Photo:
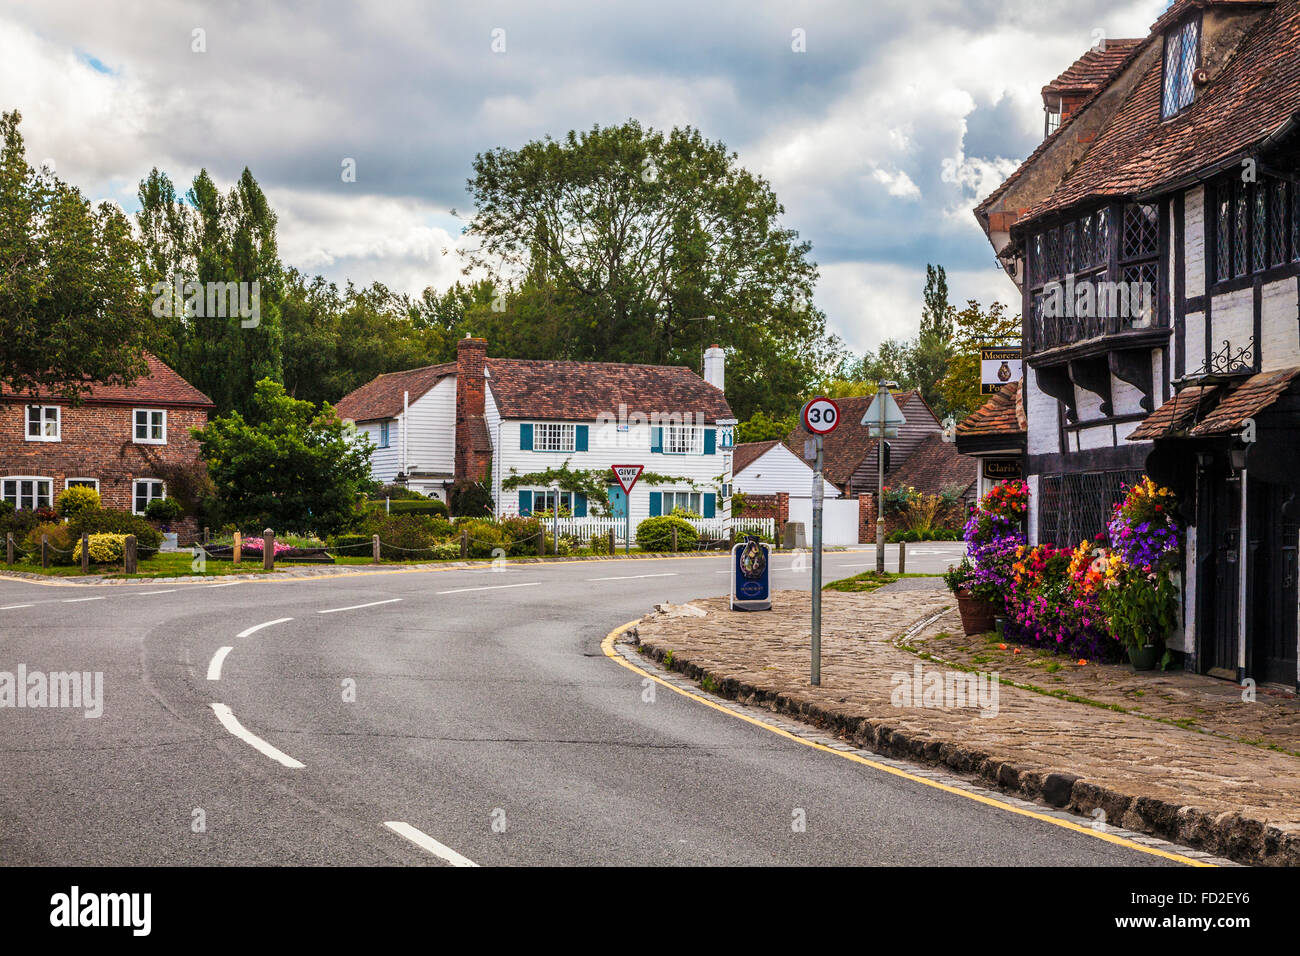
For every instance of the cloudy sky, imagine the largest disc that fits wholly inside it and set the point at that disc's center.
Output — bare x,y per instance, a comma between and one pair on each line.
878,137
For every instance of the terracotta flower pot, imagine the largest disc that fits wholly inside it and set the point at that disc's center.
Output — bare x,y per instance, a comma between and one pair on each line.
977,615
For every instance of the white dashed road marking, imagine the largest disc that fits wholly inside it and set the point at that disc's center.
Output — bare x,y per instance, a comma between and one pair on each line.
426,842
257,743
491,587
214,666
79,600
629,577
258,627
357,607
14,607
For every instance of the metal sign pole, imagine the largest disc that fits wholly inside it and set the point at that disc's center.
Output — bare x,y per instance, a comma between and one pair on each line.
817,566
880,494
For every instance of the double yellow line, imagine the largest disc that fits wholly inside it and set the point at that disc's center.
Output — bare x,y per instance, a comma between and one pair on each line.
608,647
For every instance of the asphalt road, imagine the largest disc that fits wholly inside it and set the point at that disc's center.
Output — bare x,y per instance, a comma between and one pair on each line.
483,717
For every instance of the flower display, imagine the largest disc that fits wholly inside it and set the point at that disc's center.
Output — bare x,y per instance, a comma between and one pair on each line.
258,545
1090,602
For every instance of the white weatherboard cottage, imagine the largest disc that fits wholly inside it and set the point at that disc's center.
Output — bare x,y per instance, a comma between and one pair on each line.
491,419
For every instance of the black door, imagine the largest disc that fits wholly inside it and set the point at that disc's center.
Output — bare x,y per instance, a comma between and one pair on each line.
1219,526
1271,634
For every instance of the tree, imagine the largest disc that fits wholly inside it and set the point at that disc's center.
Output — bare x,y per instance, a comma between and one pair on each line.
763,427
975,327
214,241
69,295
934,346
629,244
289,465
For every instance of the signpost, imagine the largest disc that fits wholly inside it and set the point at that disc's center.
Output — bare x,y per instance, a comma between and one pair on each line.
883,418
999,367
626,476
820,416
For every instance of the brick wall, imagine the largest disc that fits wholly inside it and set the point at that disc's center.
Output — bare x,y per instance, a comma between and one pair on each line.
775,506
866,519
97,442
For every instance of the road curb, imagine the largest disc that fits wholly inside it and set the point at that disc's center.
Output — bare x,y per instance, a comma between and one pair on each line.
1227,834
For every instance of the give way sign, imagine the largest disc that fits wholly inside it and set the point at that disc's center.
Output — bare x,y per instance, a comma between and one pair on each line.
626,475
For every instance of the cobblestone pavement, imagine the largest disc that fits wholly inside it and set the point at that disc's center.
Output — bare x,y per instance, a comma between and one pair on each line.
1142,769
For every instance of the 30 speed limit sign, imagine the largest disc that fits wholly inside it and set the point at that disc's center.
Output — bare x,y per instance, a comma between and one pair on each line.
820,416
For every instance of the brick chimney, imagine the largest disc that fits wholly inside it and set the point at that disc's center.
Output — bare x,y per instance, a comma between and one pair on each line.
471,362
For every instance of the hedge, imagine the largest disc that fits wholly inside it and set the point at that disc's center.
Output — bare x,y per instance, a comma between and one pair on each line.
656,534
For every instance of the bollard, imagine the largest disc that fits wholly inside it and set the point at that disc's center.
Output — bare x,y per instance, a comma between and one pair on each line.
611,542
9,547
236,551
731,539
130,557
207,537
541,543
268,550
374,547
85,553
902,557
45,550
674,540
464,545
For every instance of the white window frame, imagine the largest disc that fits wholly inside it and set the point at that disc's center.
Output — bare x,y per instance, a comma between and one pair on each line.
384,435
44,421
682,440
74,482
545,494
135,495
148,426
18,491
669,502
555,436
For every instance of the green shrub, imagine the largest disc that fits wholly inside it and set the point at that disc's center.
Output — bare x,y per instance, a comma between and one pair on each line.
107,521
656,534
522,534
71,502
398,492
163,510
104,548
61,541
470,499
484,537
15,521
409,506
351,545
405,537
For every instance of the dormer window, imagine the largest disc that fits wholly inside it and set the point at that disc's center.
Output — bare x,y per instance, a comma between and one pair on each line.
1053,118
1182,58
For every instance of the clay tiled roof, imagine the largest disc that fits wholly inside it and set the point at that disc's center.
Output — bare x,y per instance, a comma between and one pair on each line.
745,455
1254,93
1203,411
1002,414
1176,415
581,391
1249,399
1094,68
382,397
159,386
844,449
935,466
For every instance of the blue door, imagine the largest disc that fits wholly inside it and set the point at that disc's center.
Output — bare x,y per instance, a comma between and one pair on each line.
617,501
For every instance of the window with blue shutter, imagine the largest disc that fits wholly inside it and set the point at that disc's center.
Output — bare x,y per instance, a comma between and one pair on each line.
656,504
710,506
526,437
710,441
656,439
579,505
525,503
580,438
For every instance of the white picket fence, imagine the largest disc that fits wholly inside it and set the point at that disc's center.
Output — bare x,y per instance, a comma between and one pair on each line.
711,528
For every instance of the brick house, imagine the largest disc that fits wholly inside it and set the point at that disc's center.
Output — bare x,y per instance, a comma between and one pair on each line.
488,419
128,442
1155,240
